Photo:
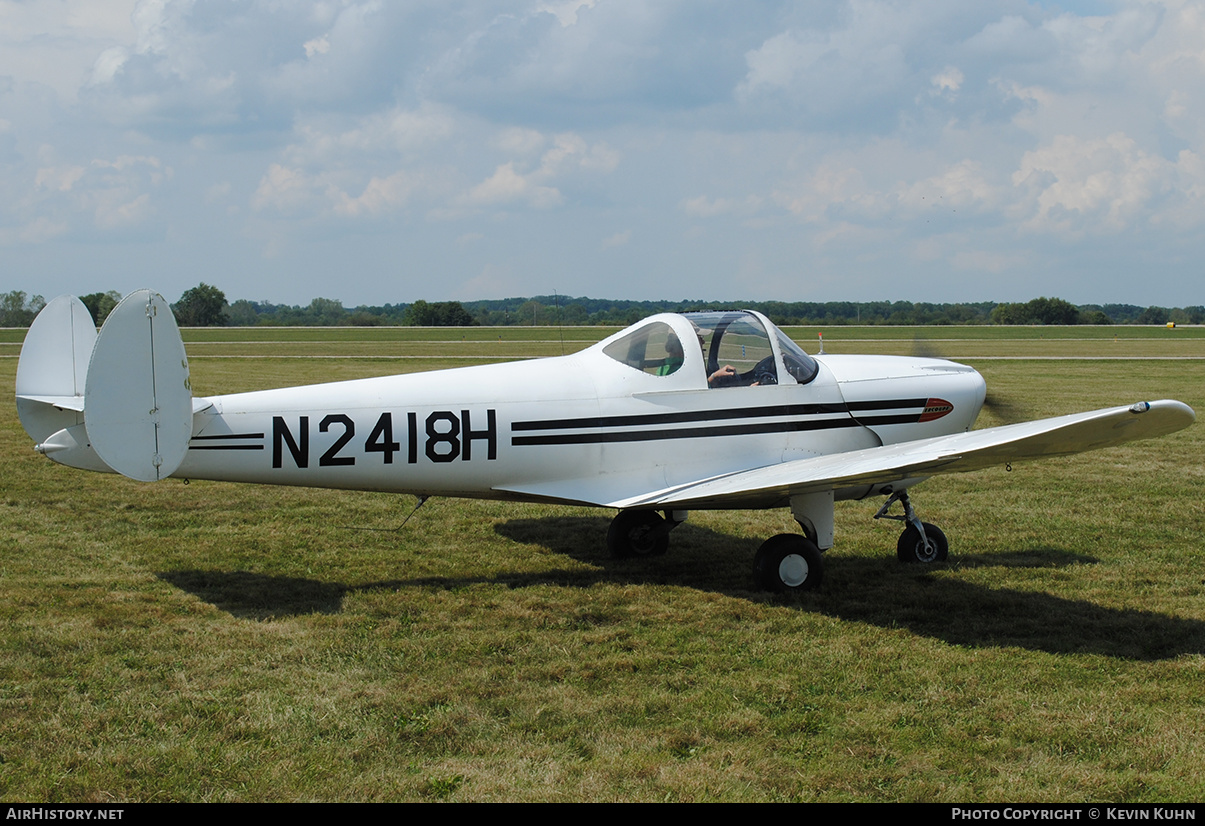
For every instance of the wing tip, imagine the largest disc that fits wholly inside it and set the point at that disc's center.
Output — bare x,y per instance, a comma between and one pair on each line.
1176,415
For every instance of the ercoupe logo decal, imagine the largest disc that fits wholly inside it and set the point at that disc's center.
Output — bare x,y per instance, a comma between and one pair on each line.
935,409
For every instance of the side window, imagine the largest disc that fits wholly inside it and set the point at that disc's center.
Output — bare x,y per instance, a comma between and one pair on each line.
654,349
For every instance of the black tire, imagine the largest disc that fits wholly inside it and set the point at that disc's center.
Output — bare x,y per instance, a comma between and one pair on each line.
788,564
637,533
911,549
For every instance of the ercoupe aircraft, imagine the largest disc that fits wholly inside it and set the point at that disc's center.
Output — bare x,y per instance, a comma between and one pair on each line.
678,412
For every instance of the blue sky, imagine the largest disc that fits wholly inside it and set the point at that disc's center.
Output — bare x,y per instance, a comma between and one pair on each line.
382,152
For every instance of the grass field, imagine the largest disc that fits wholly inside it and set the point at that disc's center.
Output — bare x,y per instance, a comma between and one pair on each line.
214,642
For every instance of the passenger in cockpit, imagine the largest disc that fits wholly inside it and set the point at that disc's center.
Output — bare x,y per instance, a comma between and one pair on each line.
674,356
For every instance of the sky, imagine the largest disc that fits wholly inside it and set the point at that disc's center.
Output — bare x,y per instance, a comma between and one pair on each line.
382,152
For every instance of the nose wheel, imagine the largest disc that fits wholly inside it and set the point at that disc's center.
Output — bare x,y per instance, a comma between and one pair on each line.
931,546
921,542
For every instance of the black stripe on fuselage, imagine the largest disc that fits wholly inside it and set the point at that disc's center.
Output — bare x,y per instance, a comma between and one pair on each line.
887,404
590,430
679,418
681,432
226,437
862,410
905,418
225,447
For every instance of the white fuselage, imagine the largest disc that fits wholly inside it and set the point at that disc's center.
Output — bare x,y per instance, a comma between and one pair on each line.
580,428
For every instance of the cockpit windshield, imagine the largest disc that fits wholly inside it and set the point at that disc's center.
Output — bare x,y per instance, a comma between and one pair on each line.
802,367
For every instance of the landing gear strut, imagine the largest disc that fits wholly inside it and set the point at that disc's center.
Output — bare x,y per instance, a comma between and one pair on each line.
921,541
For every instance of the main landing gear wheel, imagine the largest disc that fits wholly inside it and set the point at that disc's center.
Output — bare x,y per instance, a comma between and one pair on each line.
933,547
638,533
788,564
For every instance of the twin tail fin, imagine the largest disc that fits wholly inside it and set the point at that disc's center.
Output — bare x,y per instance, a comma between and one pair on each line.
117,401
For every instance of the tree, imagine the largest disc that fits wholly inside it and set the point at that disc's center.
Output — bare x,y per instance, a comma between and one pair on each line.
438,314
363,318
1053,311
202,306
100,304
242,313
1037,311
1009,314
532,313
1154,315
16,311
325,312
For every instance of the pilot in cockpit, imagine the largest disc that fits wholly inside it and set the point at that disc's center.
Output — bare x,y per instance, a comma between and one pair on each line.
726,376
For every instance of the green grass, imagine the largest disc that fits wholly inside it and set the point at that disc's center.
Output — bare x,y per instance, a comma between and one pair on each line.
239,643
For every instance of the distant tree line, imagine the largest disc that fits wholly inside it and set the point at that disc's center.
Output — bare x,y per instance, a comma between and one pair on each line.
1057,311
18,310
206,306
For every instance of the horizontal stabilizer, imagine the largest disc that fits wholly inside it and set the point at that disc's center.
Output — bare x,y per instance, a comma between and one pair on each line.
75,403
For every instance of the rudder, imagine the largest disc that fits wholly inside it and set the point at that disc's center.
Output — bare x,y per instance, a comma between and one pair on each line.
138,399
53,368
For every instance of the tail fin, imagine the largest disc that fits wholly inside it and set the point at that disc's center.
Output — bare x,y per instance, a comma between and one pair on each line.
53,367
136,405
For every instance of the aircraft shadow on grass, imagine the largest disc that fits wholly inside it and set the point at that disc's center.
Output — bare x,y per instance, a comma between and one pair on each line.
878,591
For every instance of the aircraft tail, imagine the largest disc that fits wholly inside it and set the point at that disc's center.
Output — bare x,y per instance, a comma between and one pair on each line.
117,401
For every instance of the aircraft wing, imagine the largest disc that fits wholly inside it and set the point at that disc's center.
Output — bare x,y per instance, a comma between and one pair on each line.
957,453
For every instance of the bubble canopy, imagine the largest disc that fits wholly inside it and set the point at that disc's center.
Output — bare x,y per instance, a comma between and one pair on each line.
758,353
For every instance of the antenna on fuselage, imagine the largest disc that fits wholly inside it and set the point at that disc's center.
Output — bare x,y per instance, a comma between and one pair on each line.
422,500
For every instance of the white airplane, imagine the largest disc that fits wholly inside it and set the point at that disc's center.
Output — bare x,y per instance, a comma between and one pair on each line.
715,410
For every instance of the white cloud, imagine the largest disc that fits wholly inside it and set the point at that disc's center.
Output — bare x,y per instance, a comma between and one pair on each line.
514,140
570,151
59,178
54,44
948,80
836,182
506,186
381,195
38,231
106,67
113,212
283,189
317,46
103,195
962,184
1095,186
619,239
566,11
